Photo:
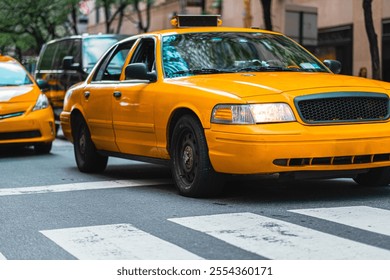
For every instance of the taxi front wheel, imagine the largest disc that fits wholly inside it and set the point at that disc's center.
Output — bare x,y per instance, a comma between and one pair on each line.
375,177
191,168
87,158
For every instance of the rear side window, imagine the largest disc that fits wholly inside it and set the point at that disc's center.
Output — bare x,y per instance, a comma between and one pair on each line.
64,49
48,57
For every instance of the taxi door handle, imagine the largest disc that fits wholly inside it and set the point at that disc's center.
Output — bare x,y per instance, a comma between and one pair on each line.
87,94
117,94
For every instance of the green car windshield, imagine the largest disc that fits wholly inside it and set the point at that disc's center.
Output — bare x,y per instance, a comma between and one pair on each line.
225,52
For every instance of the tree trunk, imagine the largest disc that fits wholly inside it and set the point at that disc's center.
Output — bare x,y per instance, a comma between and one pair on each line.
267,13
73,22
373,39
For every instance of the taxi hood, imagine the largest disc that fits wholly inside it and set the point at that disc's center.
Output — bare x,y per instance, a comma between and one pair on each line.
244,85
27,93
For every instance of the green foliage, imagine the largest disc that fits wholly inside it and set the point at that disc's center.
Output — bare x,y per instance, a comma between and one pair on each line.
27,24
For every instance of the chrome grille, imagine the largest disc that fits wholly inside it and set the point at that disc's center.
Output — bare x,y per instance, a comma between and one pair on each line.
11,115
343,107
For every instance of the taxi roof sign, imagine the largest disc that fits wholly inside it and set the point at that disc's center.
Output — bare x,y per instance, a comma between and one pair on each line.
196,20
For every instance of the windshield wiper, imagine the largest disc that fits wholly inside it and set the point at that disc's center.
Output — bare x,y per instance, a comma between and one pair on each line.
203,71
266,69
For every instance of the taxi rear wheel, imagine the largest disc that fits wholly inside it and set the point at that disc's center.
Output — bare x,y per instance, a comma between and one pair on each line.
87,158
191,168
375,177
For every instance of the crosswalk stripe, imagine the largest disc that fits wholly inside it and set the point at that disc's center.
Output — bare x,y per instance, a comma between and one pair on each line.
2,258
362,217
116,242
82,186
275,239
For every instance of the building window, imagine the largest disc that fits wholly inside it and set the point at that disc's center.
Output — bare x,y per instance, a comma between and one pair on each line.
336,43
386,50
97,14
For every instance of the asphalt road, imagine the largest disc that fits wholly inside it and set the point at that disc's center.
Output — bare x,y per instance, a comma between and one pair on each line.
49,210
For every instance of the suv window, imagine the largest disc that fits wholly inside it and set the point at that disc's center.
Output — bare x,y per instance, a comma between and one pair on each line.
48,56
64,48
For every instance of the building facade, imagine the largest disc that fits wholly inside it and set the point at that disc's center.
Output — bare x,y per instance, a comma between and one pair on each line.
331,29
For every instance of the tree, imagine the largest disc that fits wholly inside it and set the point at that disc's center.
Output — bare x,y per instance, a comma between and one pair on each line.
116,10
372,38
30,23
267,13
142,27
113,9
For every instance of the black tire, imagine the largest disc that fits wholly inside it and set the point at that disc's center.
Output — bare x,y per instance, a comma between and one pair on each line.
43,148
191,168
87,158
375,177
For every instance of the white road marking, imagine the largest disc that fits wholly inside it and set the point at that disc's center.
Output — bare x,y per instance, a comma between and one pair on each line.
116,242
2,258
362,217
82,186
275,239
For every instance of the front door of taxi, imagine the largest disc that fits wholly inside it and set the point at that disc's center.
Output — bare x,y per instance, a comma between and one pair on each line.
133,111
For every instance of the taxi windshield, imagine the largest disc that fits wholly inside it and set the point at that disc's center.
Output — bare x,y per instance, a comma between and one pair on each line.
225,52
11,74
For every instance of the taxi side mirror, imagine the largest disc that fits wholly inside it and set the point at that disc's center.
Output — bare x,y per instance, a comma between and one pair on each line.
43,85
333,65
139,71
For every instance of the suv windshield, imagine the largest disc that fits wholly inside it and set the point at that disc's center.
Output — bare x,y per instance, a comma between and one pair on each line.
11,74
94,49
219,52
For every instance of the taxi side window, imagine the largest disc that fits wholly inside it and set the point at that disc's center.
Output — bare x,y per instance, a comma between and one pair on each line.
110,67
145,54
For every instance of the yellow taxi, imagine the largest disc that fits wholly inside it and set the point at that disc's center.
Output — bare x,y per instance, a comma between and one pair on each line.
212,100
26,117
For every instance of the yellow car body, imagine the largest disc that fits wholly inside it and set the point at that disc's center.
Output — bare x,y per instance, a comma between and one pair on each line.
138,118
26,117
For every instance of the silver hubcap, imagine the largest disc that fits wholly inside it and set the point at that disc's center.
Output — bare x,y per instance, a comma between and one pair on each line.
82,143
188,158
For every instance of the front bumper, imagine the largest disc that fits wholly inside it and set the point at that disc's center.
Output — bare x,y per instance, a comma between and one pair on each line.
290,147
29,128
65,125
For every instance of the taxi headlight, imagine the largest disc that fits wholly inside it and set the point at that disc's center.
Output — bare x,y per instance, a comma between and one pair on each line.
41,103
252,113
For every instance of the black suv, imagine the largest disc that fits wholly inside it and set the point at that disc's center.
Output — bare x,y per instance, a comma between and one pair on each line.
67,61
